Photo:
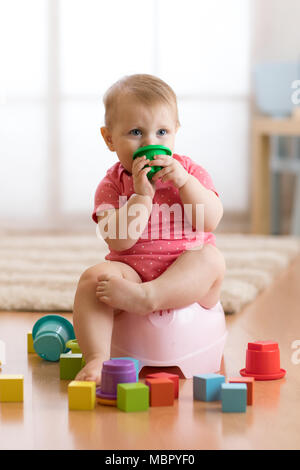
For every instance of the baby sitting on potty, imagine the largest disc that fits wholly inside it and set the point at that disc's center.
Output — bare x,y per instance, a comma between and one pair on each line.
153,264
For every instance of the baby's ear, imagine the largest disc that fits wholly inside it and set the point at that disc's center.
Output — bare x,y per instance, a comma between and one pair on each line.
106,134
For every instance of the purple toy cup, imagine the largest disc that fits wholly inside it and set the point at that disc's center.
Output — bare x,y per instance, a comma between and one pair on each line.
114,372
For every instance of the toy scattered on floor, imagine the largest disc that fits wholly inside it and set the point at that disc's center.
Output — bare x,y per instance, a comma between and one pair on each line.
136,363
50,335
166,375
69,365
11,388
114,372
82,395
234,397
161,391
207,387
30,348
133,397
74,346
249,381
263,361
119,379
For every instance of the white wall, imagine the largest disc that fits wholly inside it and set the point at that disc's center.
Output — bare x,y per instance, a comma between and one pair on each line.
276,34
57,59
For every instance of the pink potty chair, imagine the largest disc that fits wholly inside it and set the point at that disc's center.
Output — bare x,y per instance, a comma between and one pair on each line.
191,338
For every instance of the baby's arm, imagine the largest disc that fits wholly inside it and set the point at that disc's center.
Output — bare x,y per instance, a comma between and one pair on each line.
121,228
193,192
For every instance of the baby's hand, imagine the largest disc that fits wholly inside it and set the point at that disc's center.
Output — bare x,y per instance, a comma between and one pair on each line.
141,183
173,170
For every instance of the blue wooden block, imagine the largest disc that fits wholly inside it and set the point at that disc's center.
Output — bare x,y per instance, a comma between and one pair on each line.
234,398
207,387
136,363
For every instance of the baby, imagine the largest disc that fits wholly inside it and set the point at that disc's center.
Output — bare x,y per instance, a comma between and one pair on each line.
143,273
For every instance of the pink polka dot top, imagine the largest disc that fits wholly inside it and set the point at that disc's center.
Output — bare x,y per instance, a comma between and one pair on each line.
168,232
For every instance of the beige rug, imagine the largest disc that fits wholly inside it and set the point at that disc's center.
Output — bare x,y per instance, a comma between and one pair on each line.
40,273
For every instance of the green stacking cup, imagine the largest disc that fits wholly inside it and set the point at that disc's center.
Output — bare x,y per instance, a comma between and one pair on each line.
50,335
150,151
75,349
74,346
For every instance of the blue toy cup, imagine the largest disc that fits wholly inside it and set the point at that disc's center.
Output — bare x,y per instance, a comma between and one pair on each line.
50,335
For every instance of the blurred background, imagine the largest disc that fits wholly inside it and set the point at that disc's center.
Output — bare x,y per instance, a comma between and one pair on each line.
228,63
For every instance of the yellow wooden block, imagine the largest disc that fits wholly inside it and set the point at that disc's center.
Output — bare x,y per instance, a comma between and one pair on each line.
82,395
30,348
11,387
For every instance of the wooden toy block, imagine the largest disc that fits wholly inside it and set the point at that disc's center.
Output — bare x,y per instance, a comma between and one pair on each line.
82,395
207,387
161,392
132,397
11,388
249,381
166,375
136,363
70,364
30,348
234,397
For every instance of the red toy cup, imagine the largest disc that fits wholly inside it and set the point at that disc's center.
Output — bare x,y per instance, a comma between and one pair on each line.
263,361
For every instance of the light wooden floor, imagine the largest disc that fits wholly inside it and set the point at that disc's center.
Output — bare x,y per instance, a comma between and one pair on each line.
44,422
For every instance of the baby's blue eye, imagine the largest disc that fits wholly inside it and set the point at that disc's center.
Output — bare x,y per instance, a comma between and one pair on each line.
162,132
135,132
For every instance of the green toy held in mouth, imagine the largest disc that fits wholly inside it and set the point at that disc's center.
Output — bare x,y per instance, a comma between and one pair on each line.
150,151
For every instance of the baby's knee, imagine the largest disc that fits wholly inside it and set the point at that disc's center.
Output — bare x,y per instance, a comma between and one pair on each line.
91,274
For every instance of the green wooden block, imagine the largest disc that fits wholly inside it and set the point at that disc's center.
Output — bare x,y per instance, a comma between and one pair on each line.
133,397
70,364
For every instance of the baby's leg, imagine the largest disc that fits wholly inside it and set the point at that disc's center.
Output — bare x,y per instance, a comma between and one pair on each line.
195,276
93,319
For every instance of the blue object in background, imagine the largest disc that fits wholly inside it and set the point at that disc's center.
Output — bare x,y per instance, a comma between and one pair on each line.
273,87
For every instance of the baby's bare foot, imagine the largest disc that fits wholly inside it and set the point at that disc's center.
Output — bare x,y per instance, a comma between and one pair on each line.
125,295
91,371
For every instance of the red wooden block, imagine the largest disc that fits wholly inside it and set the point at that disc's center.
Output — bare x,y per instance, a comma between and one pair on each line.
166,375
249,381
161,392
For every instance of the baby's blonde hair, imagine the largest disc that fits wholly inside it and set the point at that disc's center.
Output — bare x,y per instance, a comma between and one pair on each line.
146,88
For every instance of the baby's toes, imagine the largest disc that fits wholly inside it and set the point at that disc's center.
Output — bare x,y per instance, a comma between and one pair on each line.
89,376
81,376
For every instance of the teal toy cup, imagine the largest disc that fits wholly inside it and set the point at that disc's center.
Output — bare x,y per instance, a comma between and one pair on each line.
150,151
50,335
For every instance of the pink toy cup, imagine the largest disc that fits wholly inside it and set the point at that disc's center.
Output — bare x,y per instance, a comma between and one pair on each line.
263,361
114,372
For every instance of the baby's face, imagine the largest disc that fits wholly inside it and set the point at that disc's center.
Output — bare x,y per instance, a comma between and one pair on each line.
139,125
